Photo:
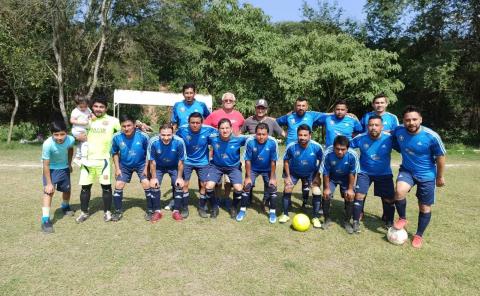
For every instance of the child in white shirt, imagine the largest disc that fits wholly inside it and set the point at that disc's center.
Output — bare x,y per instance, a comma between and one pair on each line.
80,119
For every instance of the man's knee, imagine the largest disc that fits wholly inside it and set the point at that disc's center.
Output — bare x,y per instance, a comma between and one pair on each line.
316,190
86,188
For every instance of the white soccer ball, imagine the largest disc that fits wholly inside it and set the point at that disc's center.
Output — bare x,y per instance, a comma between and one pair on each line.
397,237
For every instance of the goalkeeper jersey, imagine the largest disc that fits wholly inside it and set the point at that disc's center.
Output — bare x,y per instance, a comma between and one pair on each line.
100,137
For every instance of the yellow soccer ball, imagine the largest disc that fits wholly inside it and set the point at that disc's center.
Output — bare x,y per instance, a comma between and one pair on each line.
301,222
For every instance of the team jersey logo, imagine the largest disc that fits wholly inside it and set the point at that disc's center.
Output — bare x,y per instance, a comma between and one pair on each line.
347,124
297,153
304,162
366,145
332,122
159,151
292,120
122,144
217,146
400,138
196,110
333,162
105,122
224,155
182,109
189,138
384,146
419,143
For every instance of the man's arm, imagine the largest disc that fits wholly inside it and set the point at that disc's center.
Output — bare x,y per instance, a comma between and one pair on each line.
273,175
286,168
153,173
116,162
326,186
180,181
440,180
248,171
70,157
46,173
350,194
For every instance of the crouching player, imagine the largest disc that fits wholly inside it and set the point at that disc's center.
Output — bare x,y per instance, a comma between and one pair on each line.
129,150
166,154
261,155
375,154
225,161
339,167
57,152
301,161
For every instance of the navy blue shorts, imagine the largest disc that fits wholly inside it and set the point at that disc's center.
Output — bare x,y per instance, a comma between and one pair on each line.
307,180
383,185
425,189
127,173
215,174
60,179
173,173
202,172
265,177
342,182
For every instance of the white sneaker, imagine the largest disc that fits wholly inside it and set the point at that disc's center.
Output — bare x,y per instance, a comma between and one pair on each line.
83,216
107,216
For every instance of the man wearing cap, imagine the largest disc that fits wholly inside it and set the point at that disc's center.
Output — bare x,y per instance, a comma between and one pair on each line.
261,108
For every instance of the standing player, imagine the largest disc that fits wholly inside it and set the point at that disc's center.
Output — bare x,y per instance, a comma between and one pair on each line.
129,150
166,154
57,152
340,123
98,164
261,155
339,167
195,135
379,104
375,154
301,161
182,110
423,164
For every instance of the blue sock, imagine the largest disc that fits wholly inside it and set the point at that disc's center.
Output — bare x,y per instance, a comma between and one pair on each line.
45,219
423,220
65,205
305,194
316,202
245,197
202,202
149,198
185,199
401,206
155,200
237,197
357,209
287,197
389,211
177,199
117,199
212,198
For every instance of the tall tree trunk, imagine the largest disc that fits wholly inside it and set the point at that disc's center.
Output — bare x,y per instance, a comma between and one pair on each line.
12,118
59,58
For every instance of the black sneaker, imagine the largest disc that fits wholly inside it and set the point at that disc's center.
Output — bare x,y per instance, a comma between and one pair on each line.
47,227
67,211
326,224
203,213
348,227
214,213
388,224
233,212
148,215
117,216
356,226
184,212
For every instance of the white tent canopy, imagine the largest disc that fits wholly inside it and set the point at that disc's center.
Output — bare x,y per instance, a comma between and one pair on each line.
155,98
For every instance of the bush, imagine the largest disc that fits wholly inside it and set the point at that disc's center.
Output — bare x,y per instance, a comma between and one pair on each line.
24,130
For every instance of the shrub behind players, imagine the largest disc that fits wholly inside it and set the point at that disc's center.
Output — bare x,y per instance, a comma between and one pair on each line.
261,155
301,161
166,154
339,167
380,104
57,152
129,150
423,164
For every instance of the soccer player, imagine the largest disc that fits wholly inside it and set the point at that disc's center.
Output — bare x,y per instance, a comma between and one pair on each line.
261,109
301,161
129,150
182,110
98,164
339,167
225,161
166,154
375,154
380,104
195,135
261,155
57,152
340,123
423,164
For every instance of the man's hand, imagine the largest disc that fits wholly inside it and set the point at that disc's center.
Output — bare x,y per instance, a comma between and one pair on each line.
440,181
118,173
154,183
349,195
49,189
288,182
70,168
272,182
81,137
247,182
326,193
179,183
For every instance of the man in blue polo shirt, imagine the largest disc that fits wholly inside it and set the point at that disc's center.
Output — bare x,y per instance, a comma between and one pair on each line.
340,123
182,110
379,104
423,164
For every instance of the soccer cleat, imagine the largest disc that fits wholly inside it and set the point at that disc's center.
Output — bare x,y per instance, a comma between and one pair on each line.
348,227
326,224
320,212
417,241
241,214
83,216
316,223
67,211
169,206
184,212
47,226
117,216
388,224
272,218
214,213
233,212
400,224
157,215
177,216
356,226
203,213
283,218
148,215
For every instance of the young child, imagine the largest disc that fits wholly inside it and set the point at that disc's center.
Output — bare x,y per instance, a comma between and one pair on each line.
80,118
57,155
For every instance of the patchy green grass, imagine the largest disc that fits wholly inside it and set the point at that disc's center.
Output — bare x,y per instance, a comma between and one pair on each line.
219,257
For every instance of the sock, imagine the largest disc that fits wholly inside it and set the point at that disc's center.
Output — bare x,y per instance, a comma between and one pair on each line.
316,202
155,198
423,220
305,194
237,198
148,198
401,206
326,208
185,198
45,214
65,204
107,197
178,199
244,199
385,210
202,202
117,199
348,210
357,209
389,211
287,197
85,198
212,198
272,196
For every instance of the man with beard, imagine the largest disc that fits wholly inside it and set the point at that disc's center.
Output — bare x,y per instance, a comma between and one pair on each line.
380,104
340,123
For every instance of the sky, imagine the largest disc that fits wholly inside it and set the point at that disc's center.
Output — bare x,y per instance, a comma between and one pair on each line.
289,10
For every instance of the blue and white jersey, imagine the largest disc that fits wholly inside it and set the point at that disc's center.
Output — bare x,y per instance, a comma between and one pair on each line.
375,154
303,162
390,121
166,156
293,121
261,155
56,153
181,111
196,144
132,151
345,126
419,151
226,153
339,167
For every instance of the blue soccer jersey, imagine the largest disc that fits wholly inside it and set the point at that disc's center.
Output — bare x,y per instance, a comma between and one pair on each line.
226,153
390,121
261,155
181,111
336,167
419,151
345,126
375,154
196,144
293,121
166,156
56,153
303,162
132,151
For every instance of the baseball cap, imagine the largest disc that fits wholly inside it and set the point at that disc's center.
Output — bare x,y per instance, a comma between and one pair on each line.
261,103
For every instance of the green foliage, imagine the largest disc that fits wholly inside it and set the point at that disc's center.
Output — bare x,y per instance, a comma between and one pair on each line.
21,131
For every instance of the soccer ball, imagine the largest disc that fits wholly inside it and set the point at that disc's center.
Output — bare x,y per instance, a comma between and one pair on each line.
397,237
301,222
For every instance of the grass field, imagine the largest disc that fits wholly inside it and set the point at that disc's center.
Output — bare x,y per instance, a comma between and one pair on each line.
223,257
